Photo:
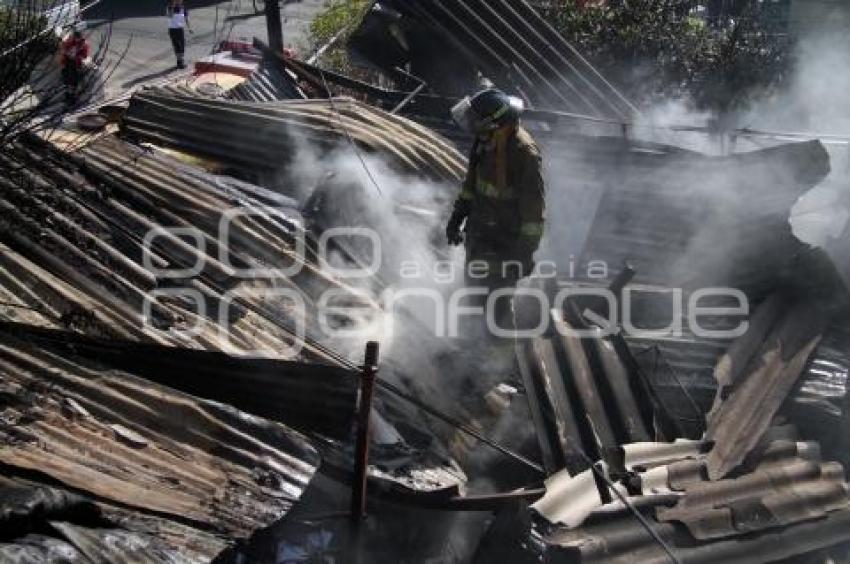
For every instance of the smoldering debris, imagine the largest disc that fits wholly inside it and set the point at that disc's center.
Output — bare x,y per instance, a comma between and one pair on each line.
465,441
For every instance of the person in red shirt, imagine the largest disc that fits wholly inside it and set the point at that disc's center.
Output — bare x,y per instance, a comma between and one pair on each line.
75,50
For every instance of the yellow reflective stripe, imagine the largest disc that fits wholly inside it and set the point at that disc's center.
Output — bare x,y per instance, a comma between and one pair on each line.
491,191
497,114
531,229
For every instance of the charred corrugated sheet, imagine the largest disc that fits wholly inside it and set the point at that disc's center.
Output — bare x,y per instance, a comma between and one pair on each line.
268,83
803,490
121,539
686,220
311,398
819,403
625,541
551,408
684,369
121,440
75,257
446,41
221,130
582,398
43,523
618,383
75,253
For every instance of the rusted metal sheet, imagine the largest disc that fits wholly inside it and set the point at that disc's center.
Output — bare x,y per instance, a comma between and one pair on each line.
311,398
126,441
75,255
220,130
268,83
734,362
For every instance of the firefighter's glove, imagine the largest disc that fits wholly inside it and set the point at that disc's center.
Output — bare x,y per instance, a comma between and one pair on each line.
454,235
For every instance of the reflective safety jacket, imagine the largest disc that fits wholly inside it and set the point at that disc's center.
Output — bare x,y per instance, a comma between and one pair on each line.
504,191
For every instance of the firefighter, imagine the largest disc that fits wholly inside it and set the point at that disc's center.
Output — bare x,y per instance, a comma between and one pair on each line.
74,51
500,209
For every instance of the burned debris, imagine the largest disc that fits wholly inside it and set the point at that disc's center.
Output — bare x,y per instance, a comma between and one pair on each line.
176,385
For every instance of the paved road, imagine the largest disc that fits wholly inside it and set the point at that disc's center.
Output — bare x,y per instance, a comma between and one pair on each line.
142,25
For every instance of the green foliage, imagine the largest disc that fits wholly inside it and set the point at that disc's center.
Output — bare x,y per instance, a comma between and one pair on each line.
654,50
23,44
339,15
17,26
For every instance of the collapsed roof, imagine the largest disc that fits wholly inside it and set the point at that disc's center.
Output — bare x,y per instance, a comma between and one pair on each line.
75,261
105,335
157,470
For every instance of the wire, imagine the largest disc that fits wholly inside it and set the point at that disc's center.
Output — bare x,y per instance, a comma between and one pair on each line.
624,500
348,135
460,426
697,411
37,309
659,355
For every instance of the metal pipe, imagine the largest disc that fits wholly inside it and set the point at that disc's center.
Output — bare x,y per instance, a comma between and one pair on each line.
437,414
369,374
408,98
275,28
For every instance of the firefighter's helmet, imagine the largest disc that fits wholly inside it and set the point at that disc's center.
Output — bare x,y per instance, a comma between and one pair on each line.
487,110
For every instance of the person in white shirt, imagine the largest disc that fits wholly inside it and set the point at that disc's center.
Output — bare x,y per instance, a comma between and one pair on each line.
178,23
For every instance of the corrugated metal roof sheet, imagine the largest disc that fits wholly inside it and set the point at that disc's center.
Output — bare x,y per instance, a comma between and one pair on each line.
72,258
222,130
747,405
268,83
124,441
788,504
312,398
75,253
687,220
